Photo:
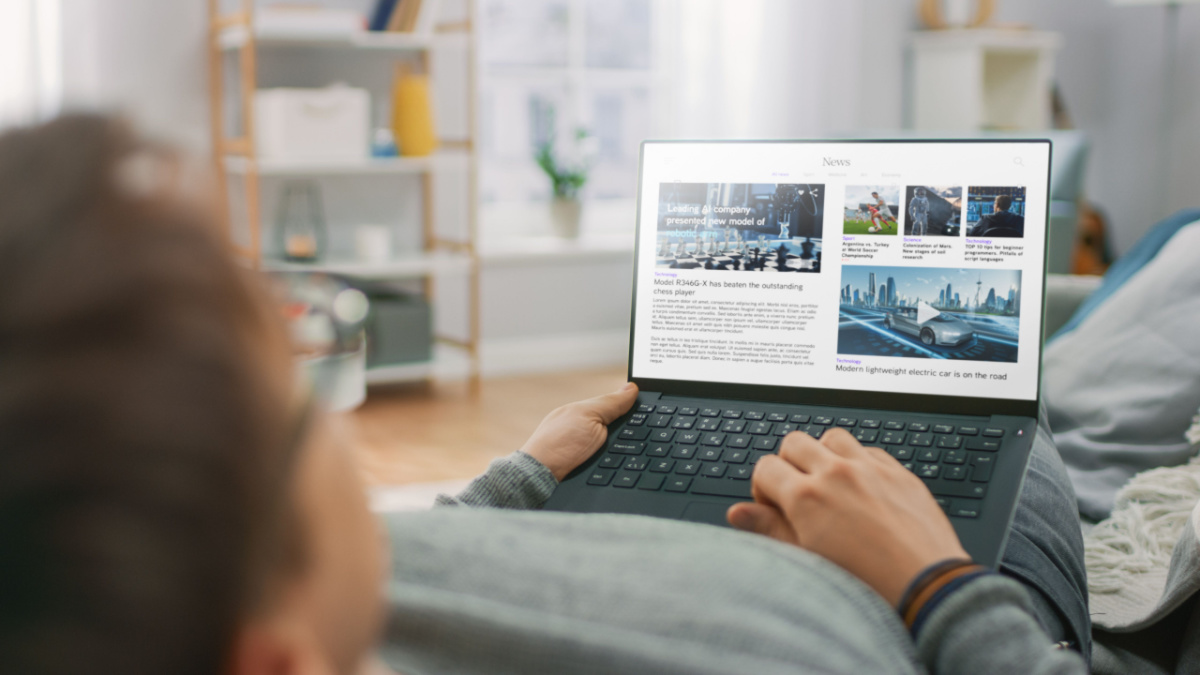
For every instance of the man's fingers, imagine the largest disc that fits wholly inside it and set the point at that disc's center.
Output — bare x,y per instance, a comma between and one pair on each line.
776,482
804,452
611,406
761,519
843,443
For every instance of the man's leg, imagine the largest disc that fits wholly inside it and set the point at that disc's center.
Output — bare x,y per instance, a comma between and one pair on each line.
1045,547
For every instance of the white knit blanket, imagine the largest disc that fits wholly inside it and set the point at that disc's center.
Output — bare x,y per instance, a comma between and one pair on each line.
1129,555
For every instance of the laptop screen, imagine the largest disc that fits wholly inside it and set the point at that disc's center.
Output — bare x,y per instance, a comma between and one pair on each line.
898,267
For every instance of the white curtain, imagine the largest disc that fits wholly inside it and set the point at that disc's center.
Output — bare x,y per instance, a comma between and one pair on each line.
30,61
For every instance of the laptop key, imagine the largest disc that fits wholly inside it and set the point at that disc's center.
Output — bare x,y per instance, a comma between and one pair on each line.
784,428
765,443
635,434
716,440
611,461
918,426
955,457
710,412
741,472
823,420
943,429
869,424
928,455
928,470
738,441
755,414
797,419
968,431
714,469
721,488
708,425
600,477
866,435
846,422
658,450
733,426
645,407
651,481
626,480
659,421
950,441
994,433
687,468
900,452
662,436
921,440
636,421
732,414
982,444
688,437
972,490
627,448
754,457
683,423
777,417
684,452
666,409
636,464
677,484
981,473
955,473
688,412
760,428
662,465
894,438
709,454
736,456
965,508
893,426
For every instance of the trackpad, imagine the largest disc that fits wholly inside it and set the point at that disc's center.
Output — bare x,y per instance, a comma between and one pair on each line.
707,512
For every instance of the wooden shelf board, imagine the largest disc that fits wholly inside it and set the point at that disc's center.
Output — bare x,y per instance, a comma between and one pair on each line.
396,165
237,36
398,268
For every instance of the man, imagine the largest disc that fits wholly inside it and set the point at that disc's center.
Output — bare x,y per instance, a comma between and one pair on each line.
1001,222
173,502
881,214
918,212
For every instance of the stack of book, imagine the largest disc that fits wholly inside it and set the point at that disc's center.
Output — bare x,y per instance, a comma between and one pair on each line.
404,16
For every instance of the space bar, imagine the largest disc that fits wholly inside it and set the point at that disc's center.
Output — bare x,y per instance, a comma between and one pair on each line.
722,488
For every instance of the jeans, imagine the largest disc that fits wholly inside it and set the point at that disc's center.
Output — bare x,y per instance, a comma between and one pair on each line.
1045,546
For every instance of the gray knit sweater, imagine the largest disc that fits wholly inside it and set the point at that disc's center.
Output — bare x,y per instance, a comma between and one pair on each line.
496,590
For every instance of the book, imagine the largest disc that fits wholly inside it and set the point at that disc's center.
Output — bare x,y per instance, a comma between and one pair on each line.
382,14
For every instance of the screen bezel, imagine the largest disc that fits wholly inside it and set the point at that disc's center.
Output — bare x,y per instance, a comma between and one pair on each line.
858,398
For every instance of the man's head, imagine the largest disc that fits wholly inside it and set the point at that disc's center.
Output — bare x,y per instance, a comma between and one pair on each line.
1002,202
164,502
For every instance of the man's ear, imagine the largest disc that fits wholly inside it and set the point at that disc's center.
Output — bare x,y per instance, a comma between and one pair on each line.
277,646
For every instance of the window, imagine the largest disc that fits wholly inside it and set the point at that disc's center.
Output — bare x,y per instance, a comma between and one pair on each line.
30,80
552,67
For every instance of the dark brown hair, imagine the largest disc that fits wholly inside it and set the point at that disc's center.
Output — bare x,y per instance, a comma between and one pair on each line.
141,427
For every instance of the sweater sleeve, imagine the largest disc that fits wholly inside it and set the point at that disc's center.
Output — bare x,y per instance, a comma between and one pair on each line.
988,626
517,481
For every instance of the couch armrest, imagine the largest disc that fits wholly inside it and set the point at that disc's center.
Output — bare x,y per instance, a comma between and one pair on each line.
1064,294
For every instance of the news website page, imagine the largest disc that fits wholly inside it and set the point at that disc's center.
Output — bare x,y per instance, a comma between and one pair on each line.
880,267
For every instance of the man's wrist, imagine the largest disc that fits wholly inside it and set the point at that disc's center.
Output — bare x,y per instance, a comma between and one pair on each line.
932,585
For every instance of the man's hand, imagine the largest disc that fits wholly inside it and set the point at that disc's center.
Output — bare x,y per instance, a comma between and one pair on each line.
855,506
571,434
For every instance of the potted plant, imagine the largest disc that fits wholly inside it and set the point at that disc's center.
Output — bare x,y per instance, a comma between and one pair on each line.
567,177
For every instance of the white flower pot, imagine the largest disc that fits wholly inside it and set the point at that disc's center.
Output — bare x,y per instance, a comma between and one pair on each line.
566,215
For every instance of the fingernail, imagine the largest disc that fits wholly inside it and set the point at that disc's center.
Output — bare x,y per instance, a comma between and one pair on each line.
628,386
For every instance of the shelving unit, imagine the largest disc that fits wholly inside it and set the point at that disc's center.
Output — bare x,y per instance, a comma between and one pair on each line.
234,36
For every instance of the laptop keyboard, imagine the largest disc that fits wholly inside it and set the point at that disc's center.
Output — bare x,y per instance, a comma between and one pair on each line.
712,451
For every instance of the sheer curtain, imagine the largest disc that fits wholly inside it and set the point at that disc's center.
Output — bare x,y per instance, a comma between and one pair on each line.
30,64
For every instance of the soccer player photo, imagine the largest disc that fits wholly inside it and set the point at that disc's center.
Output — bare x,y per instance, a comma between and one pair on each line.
933,211
871,209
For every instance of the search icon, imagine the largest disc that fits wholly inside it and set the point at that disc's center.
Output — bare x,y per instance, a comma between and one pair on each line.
1018,161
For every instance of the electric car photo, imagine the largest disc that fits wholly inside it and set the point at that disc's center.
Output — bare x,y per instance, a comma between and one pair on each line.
942,329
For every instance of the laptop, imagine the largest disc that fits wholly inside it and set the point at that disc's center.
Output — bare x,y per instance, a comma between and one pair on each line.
891,288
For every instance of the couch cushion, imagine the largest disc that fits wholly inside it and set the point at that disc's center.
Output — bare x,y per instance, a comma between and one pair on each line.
1122,380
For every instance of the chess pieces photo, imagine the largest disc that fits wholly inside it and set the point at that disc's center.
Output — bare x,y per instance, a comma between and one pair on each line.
681,249
699,245
664,251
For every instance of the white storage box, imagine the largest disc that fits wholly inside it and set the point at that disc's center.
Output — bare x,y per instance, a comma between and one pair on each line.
312,124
